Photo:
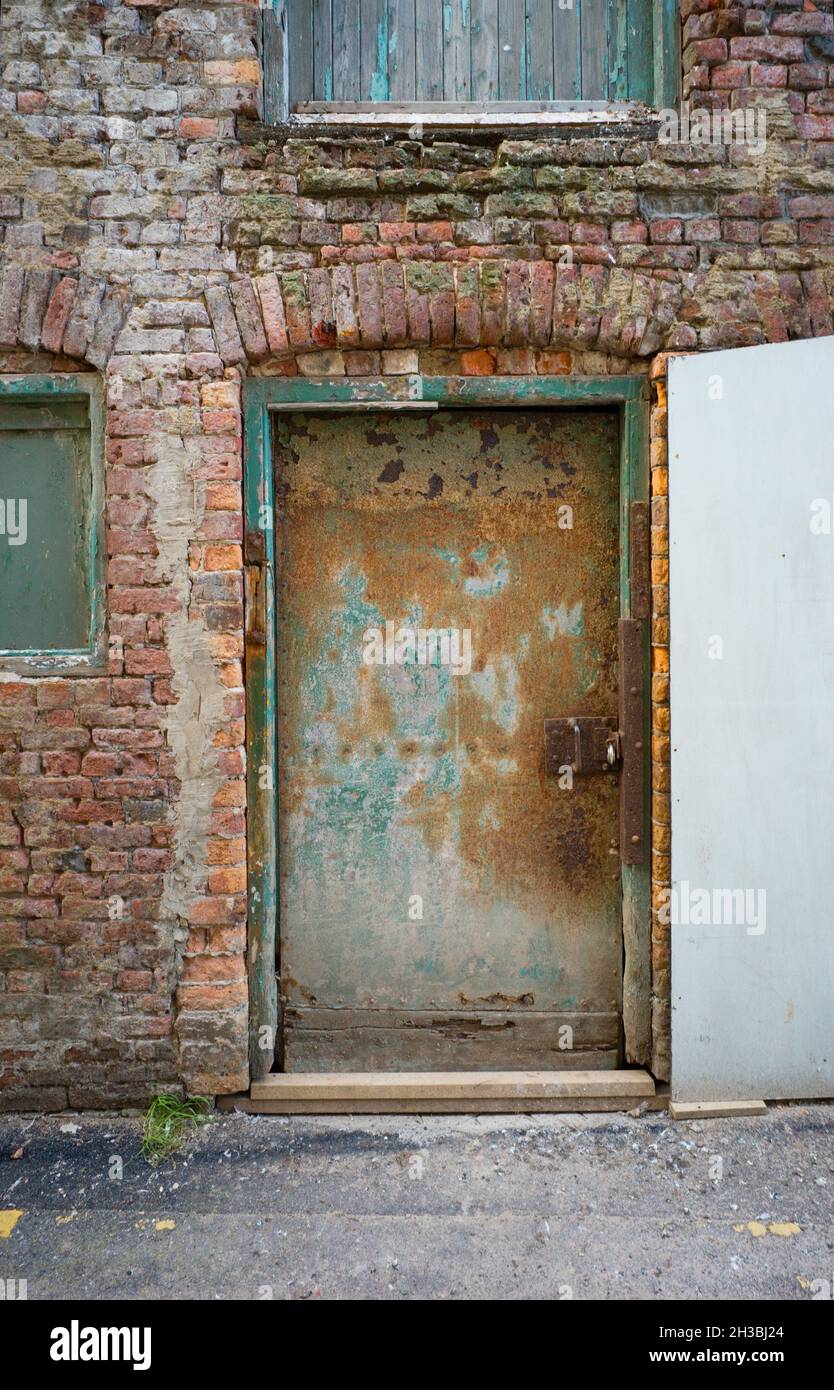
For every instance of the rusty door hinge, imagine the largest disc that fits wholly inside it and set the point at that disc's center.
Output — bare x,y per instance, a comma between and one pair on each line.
632,731
640,560
255,546
255,606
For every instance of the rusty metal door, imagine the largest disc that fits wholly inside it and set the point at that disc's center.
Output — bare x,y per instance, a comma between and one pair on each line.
446,583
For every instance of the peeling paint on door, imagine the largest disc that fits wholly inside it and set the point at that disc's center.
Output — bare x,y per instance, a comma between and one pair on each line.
444,902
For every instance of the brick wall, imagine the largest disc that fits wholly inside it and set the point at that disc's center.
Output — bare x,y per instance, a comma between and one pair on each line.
153,231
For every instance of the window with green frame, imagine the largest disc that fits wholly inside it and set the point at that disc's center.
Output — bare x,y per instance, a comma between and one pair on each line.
51,525
332,57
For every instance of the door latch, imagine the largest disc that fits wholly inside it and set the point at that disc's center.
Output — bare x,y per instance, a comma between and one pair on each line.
586,743
613,749
590,745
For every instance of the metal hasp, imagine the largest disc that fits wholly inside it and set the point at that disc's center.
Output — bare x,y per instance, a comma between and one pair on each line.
585,743
593,745
632,734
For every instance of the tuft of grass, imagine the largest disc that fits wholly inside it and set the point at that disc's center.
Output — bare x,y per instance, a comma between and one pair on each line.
167,1120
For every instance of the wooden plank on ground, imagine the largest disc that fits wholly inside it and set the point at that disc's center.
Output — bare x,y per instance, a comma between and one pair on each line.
440,1092
714,1109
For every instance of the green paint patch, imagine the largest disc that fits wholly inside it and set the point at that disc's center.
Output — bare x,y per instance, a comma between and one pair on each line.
498,687
567,622
445,776
539,972
335,651
379,80
495,578
586,664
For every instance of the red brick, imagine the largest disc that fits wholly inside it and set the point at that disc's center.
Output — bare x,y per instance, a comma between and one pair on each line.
820,232
395,324
710,51
369,297
147,662
552,363
666,230
199,128
729,75
248,315
358,233
271,303
811,21
211,998
815,127
57,313
228,880
702,229
629,233
61,764
812,205
397,232
31,103
55,694
768,48
738,230
768,75
206,968
434,231
133,981
807,77
210,911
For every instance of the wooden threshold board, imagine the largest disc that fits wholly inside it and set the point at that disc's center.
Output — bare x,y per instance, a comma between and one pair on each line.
442,1093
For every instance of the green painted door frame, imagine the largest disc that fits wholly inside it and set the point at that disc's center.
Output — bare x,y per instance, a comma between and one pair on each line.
265,395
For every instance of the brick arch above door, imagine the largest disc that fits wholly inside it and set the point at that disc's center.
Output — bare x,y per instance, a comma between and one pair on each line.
72,316
513,304
497,303
500,303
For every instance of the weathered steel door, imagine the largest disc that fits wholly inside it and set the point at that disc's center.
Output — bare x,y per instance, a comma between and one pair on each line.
446,582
